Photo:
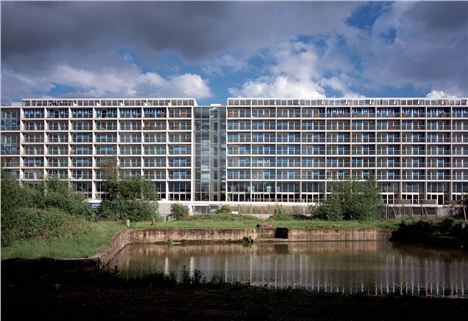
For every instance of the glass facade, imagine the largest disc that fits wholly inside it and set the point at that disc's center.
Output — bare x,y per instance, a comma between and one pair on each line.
251,150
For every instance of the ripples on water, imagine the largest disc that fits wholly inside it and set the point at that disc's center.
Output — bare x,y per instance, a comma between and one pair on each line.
373,268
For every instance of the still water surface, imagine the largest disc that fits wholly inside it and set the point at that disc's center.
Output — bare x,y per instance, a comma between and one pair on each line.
373,268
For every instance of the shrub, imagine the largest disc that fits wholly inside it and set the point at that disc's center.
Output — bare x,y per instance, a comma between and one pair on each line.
15,196
225,209
330,210
350,200
140,211
72,203
179,212
248,239
279,214
133,198
27,223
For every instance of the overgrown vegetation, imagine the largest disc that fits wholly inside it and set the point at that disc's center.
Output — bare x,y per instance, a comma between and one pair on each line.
463,201
350,200
179,212
423,231
224,210
133,198
89,239
26,223
49,209
279,214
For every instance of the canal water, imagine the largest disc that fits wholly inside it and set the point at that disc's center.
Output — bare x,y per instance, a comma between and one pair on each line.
373,268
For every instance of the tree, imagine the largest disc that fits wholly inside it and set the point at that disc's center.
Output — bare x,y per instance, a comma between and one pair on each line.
54,193
463,201
179,212
350,200
58,194
133,198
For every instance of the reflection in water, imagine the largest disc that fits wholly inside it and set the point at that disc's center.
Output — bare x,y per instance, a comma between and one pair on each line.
340,267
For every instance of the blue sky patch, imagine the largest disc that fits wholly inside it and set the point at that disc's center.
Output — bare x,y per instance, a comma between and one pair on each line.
365,16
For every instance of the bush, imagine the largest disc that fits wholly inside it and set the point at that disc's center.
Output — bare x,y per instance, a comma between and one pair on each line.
350,200
279,214
73,204
179,212
27,223
140,211
330,210
15,196
133,198
223,210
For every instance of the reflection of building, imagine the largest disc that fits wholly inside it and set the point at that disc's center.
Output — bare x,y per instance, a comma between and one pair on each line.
373,268
252,150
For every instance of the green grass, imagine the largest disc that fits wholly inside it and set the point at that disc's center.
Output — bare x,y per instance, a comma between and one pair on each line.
83,245
100,233
234,221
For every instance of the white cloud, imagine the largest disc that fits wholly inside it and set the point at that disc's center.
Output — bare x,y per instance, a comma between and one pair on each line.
225,61
127,81
280,86
439,94
297,60
341,84
295,72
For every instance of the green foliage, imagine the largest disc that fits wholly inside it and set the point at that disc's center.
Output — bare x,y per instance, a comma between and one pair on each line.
179,212
14,196
133,198
40,211
27,223
248,239
279,214
224,210
222,218
422,231
330,210
350,200
55,193
59,195
95,235
138,210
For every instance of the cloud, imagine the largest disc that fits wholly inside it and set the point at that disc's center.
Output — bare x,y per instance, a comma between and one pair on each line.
342,85
439,94
127,81
296,71
279,86
428,47
277,45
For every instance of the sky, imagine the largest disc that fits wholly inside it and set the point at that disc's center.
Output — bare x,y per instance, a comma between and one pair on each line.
214,50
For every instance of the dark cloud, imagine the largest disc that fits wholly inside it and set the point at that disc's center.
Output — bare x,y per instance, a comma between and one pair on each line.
427,47
430,48
194,29
440,17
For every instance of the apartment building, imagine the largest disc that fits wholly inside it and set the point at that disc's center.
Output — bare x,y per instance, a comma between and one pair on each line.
251,150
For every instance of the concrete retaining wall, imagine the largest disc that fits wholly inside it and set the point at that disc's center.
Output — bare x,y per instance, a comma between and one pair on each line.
191,234
348,234
160,235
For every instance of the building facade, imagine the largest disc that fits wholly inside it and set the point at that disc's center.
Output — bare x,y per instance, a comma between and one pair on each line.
251,150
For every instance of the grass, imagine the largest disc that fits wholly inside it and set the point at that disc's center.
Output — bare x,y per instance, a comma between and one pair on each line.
82,245
241,221
100,233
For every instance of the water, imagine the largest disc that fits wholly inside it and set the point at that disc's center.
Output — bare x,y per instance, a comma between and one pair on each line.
373,268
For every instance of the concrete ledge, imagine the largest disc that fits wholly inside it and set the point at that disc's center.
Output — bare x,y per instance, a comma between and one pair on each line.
205,235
